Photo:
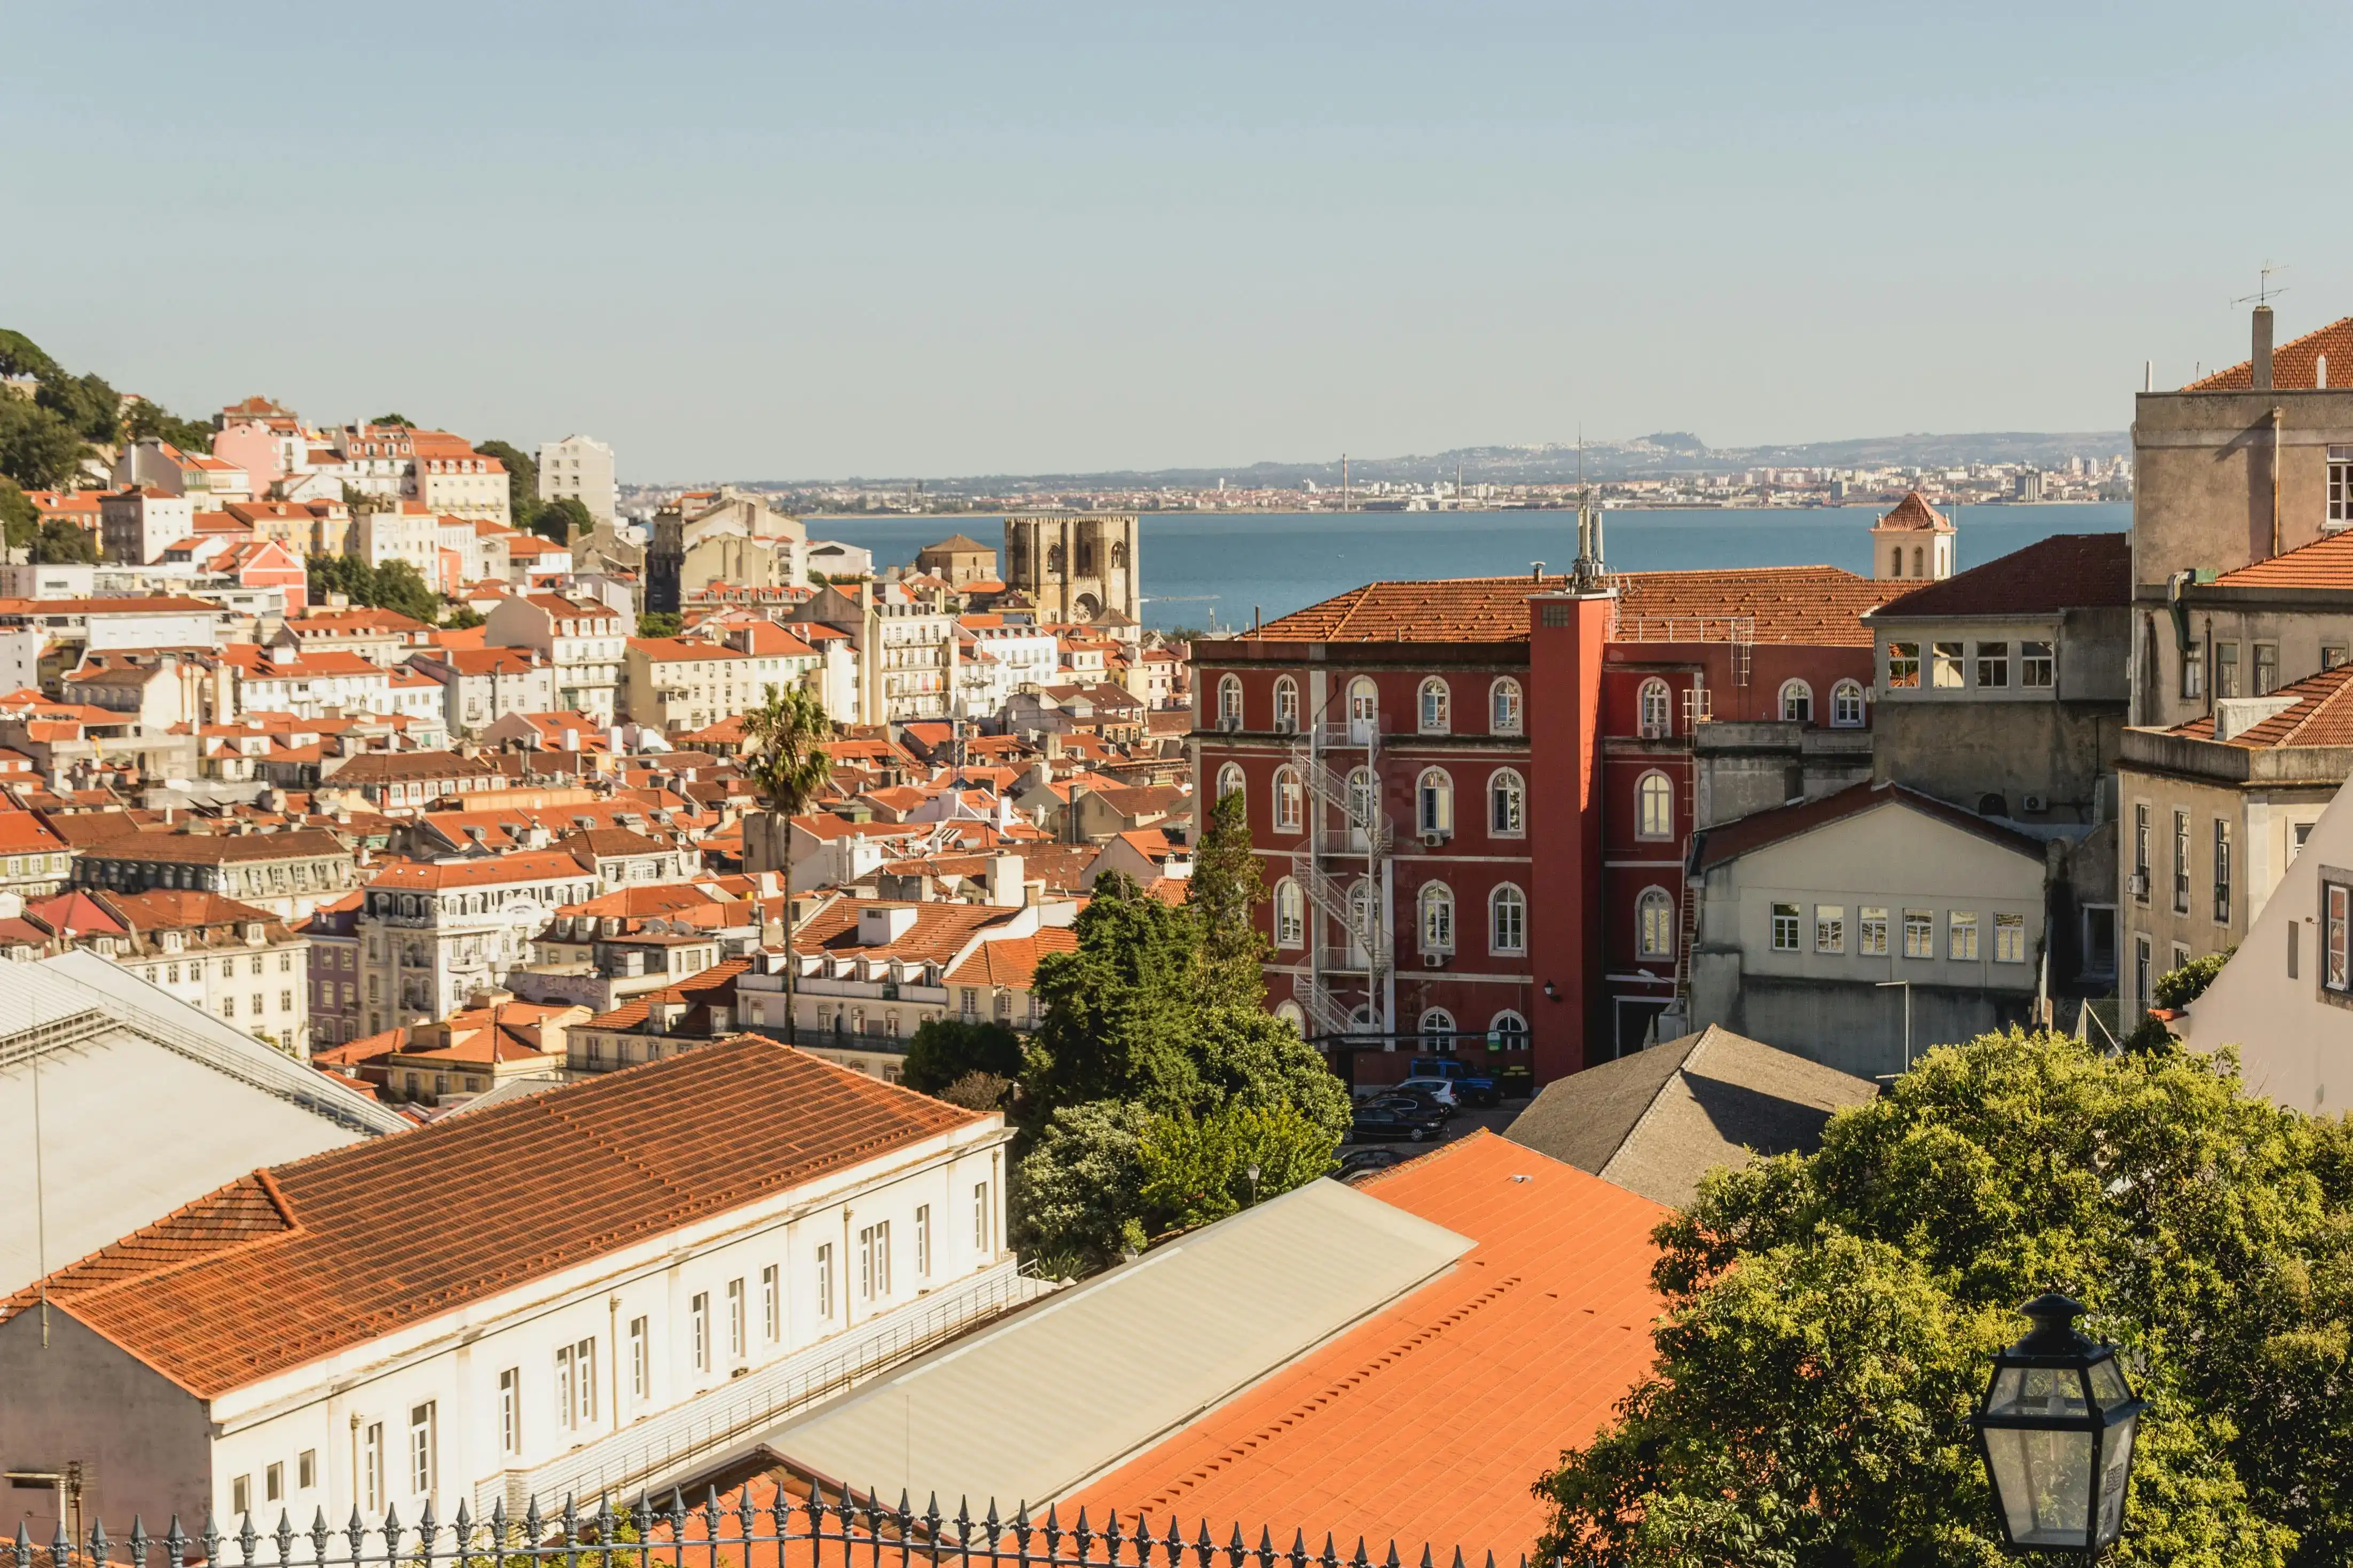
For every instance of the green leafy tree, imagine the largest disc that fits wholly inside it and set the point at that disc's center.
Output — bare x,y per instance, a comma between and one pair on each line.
145,420
660,624
461,617
556,519
2181,986
400,586
1199,1169
789,769
945,1049
1125,1017
1076,1196
21,519
979,1091
522,479
62,542
38,450
1828,1319
87,405
1226,888
401,419
21,356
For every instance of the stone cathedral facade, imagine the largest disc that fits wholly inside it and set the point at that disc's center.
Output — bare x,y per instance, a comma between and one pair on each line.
1077,568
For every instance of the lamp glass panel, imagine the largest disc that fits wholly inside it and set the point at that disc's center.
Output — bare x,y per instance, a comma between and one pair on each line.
2044,1480
2052,1393
2116,1462
2108,1386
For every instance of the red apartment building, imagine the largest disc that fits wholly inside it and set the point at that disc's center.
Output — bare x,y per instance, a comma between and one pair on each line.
1475,797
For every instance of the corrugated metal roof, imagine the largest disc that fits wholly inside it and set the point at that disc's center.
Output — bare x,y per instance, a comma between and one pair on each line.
1110,1366
134,1125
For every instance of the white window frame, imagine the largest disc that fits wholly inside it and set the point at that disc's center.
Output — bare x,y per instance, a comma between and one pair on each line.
1654,806
1507,804
1654,711
1437,903
1654,923
1507,933
1846,705
1507,707
1433,707
1798,695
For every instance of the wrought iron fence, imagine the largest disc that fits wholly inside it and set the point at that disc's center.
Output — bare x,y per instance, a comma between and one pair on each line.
791,1529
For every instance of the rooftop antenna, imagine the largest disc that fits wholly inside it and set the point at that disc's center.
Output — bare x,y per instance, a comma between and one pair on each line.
2265,293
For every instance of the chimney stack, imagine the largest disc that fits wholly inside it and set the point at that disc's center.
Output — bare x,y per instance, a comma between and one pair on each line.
2261,379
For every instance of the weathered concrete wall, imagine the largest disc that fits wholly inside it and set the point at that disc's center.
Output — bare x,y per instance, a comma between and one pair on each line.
2202,476
1961,751
143,1442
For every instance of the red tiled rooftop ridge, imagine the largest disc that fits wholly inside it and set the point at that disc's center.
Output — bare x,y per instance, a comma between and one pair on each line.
287,1265
2321,714
1913,514
1811,605
1476,1380
2064,572
2326,562
2295,365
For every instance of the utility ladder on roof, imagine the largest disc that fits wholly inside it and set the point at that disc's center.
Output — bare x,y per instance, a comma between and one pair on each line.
1743,649
1686,941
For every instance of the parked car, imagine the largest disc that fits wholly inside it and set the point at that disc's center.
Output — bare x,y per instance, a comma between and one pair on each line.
1475,1087
1363,1161
1429,1110
1378,1124
1437,1090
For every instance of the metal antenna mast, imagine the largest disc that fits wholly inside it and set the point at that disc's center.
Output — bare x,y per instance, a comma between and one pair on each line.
2265,293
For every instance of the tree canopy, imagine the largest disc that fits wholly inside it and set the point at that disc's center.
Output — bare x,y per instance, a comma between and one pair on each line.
660,622
1829,1319
39,450
394,585
945,1049
556,519
18,516
522,479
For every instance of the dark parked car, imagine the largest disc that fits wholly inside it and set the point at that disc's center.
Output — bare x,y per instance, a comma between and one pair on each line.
1363,1161
1412,1104
1378,1124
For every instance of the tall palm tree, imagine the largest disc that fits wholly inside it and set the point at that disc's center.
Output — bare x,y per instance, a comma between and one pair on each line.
789,769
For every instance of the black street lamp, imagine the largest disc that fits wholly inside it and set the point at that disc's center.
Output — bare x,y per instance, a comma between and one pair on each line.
2056,1432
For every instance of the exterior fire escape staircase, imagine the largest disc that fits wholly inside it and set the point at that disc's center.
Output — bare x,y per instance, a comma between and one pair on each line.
1319,867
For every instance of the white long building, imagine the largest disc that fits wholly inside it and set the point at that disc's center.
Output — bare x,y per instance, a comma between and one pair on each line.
618,1284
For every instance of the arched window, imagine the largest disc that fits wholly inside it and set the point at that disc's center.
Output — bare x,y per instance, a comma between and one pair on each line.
1508,1030
1230,702
1364,798
1437,918
1657,715
1654,919
1846,705
1507,920
1896,562
1798,702
1229,780
1437,1029
1290,915
1654,806
1118,553
1918,569
1433,707
1503,706
1290,1013
1363,709
1290,802
1435,801
1507,799
1286,705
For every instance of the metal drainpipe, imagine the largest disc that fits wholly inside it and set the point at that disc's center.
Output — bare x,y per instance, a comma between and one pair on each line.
2277,413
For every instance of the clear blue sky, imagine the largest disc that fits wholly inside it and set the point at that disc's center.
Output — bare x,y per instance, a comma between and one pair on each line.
769,240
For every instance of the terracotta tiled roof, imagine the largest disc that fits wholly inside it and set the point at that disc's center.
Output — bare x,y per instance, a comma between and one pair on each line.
1818,607
1718,845
1812,604
2320,715
939,933
1012,961
2066,571
286,1265
2326,562
2295,363
696,990
1913,513
1473,1383
212,849
482,871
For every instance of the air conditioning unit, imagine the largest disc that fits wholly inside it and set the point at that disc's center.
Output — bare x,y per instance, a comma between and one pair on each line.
2035,803
1228,723
1432,840
1433,961
1286,726
2138,884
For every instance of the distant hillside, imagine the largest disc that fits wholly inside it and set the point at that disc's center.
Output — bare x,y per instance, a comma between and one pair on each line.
1665,453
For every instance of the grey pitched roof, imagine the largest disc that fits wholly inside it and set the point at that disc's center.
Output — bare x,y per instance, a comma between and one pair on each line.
1655,1122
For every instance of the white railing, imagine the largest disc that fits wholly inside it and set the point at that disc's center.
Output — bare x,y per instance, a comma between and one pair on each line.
664,1448
1326,891
1325,1016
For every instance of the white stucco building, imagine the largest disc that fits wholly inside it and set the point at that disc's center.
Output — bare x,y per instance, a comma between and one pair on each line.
495,1307
580,467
